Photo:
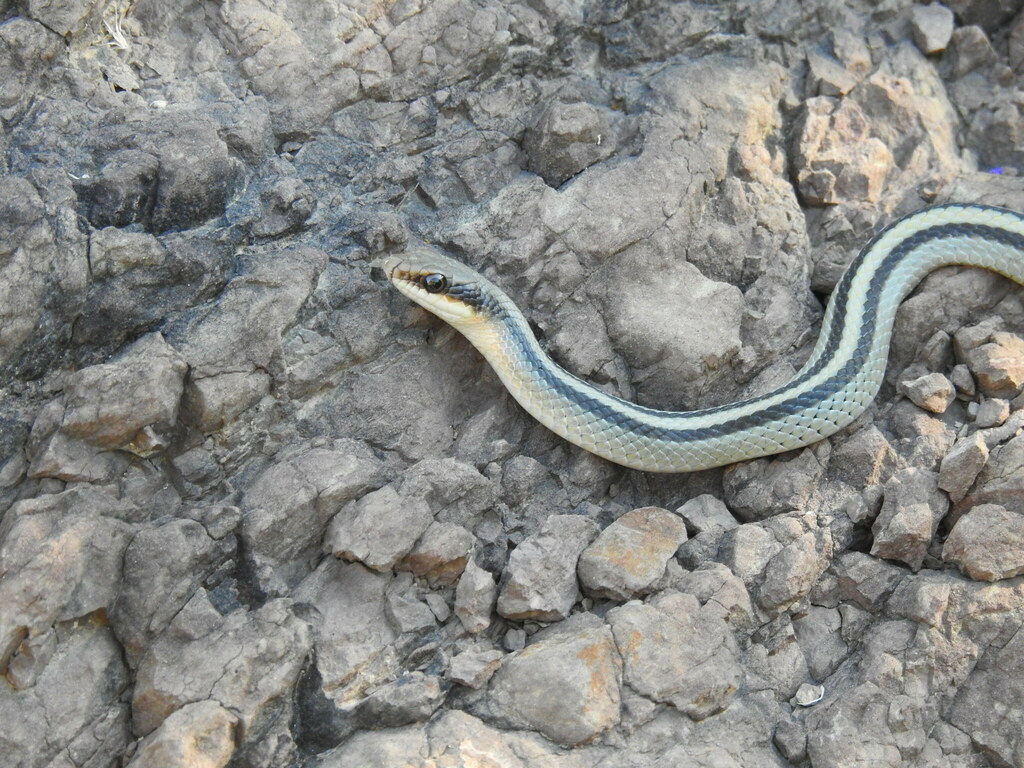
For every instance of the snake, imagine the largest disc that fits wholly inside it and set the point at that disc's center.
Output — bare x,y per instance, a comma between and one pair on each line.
840,379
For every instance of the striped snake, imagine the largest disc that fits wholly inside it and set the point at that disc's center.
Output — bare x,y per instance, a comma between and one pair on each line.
839,380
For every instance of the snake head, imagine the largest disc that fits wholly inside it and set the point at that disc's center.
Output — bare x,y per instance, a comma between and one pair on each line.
438,283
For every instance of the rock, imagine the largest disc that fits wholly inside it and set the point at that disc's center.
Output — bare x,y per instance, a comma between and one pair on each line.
818,632
475,597
911,512
932,27
630,555
246,661
676,652
707,519
791,740
45,723
865,458
220,341
721,592
130,404
990,699
379,529
579,661
933,392
998,366
474,668
761,488
809,695
835,159
60,559
963,381
289,504
865,580
791,573
987,543
163,567
970,50
1001,480
567,138
827,76
412,698
441,554
540,579
354,634
992,413
199,735
960,467
405,610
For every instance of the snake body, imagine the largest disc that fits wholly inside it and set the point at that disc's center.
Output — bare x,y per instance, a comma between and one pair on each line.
839,380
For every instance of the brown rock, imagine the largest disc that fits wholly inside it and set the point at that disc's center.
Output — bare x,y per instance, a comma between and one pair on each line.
998,366
960,467
911,512
933,392
630,555
987,543
199,735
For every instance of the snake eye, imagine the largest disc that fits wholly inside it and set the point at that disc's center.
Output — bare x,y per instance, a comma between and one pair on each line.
435,283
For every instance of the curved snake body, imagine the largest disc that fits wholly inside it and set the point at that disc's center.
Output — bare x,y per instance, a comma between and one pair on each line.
839,380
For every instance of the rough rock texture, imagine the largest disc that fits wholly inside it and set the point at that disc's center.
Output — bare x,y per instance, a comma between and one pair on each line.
630,555
257,510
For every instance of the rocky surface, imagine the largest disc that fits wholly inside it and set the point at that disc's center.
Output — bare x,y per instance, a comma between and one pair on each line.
258,510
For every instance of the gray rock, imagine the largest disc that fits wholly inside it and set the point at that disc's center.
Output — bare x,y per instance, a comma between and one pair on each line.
933,392
960,467
719,591
200,735
379,529
441,554
412,698
818,632
963,381
761,488
540,579
46,723
474,668
676,652
288,505
911,512
987,543
707,519
970,50
475,597
405,610
581,663
249,662
791,573
932,26
865,580
630,555
567,138
1001,481
865,458
354,634
991,413
989,701
60,559
163,567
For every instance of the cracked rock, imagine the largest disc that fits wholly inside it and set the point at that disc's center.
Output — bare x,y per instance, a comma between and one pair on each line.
932,26
933,392
540,579
578,660
379,529
630,555
199,735
911,511
987,543
676,652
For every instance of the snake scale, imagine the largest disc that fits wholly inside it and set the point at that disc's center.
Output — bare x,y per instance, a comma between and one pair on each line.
839,380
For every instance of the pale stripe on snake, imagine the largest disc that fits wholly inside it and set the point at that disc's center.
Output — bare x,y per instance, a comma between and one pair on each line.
839,380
